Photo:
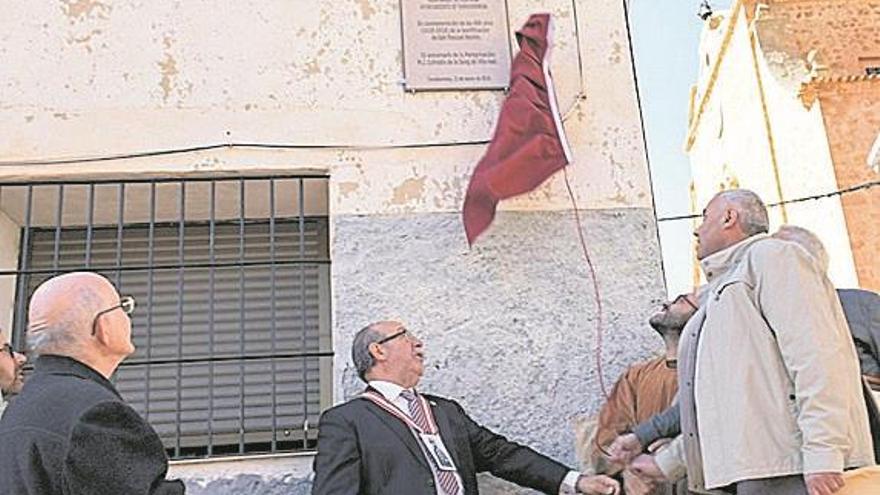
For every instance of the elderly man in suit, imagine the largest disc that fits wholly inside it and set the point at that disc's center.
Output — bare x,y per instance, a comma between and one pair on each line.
393,440
69,431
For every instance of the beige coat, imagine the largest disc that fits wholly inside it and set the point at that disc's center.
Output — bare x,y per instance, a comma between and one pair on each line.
776,387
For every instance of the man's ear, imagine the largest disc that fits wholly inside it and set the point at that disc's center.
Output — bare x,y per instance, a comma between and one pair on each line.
377,352
101,331
731,218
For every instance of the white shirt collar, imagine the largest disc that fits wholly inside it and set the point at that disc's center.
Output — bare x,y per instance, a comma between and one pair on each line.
388,389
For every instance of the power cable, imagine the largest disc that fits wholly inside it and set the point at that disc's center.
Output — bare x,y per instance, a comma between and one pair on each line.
839,192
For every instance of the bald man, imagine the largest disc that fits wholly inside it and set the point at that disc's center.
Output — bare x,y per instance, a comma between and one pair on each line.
69,431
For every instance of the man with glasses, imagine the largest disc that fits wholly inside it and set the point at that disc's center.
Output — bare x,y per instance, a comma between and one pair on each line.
394,440
644,389
69,431
11,366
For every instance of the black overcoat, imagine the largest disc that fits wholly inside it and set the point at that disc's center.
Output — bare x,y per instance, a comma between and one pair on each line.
69,432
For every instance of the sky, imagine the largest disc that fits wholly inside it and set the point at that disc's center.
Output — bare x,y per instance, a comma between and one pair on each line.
666,37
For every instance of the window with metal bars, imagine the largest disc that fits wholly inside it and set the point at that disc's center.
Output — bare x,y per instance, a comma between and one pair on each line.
232,281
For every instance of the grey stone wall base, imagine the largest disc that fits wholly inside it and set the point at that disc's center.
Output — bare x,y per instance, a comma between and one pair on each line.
249,484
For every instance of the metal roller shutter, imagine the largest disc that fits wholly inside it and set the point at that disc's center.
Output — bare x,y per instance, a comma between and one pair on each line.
231,348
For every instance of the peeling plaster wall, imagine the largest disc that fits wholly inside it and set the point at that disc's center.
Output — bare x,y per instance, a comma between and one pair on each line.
133,77
731,147
510,324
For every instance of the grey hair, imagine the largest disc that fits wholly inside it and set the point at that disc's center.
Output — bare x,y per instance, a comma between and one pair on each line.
753,213
52,340
807,240
70,328
360,349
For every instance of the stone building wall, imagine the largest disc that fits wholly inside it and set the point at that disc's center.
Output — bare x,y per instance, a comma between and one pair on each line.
509,324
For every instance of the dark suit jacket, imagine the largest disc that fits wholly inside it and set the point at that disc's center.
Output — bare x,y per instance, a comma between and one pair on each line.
362,449
862,310
69,432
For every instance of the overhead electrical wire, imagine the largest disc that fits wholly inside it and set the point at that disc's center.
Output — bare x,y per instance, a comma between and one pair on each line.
839,192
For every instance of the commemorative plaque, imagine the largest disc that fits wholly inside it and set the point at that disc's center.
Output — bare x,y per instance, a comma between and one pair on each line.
455,44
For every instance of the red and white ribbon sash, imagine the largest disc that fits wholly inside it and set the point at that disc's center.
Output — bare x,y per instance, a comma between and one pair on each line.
387,405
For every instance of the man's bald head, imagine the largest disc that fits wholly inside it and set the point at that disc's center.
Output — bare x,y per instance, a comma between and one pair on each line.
63,308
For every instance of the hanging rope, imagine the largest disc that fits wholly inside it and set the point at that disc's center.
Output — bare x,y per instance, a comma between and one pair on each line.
593,278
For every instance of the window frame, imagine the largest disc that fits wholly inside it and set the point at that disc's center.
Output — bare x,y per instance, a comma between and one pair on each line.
324,353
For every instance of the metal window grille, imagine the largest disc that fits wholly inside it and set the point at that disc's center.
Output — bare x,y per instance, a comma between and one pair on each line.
231,276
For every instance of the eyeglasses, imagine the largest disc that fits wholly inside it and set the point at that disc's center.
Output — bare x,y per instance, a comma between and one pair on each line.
393,336
126,303
680,297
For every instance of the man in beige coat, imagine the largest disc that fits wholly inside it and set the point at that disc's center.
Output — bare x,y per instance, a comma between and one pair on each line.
769,379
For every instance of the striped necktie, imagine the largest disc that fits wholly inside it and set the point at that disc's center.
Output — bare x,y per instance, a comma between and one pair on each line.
446,479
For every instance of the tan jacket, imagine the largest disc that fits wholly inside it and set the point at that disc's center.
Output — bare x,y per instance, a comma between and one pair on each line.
644,389
776,386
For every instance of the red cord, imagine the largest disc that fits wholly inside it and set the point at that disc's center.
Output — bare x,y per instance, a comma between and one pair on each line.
595,280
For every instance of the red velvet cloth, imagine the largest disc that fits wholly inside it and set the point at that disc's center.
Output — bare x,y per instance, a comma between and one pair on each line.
529,143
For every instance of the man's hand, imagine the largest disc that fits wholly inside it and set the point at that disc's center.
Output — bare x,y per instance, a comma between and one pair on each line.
823,483
624,448
633,485
597,485
646,468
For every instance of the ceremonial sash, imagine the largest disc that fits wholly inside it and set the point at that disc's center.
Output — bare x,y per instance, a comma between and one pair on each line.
432,444
387,405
